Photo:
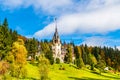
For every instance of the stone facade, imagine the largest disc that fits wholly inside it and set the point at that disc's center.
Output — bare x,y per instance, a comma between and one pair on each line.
56,47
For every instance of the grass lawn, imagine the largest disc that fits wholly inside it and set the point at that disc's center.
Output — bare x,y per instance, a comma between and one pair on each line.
70,73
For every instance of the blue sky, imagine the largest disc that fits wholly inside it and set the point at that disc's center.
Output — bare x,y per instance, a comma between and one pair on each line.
94,22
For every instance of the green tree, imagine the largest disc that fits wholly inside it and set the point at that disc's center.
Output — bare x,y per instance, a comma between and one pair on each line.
92,60
43,67
101,65
46,49
79,60
7,37
14,35
57,60
49,56
69,54
32,47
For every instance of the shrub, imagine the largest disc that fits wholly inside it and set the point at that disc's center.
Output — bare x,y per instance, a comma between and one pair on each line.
57,60
62,67
43,67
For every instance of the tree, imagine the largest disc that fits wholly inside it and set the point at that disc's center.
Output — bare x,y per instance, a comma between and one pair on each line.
14,35
4,66
32,47
43,67
101,65
92,60
85,52
20,53
108,61
79,60
6,39
49,56
57,60
69,54
79,63
46,49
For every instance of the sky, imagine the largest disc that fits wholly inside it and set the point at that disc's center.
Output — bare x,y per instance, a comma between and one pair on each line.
91,22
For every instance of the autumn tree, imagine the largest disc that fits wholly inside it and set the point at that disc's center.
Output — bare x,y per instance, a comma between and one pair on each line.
4,67
19,53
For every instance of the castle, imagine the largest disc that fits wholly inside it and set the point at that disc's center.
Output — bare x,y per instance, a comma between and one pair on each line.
56,47
59,50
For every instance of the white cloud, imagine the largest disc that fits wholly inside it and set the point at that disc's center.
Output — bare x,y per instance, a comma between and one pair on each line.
11,4
94,41
118,47
29,36
101,41
48,6
97,21
52,6
93,4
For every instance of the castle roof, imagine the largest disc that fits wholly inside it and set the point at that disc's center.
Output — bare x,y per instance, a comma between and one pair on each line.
56,35
56,38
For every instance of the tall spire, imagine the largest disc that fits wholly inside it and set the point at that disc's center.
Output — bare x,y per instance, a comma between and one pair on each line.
56,35
55,24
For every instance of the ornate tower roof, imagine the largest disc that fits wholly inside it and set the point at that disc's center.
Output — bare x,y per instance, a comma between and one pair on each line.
56,37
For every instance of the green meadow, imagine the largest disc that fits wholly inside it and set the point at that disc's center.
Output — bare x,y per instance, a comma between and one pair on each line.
70,72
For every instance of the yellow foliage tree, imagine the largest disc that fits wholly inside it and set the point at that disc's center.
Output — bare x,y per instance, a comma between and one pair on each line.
19,51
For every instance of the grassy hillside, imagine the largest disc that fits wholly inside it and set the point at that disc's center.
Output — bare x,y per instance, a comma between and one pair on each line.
69,73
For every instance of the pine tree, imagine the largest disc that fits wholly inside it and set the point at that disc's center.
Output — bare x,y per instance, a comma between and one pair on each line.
69,54
46,49
32,47
79,60
92,60
5,40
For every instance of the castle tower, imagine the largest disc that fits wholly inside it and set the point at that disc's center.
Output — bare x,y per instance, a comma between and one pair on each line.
56,47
